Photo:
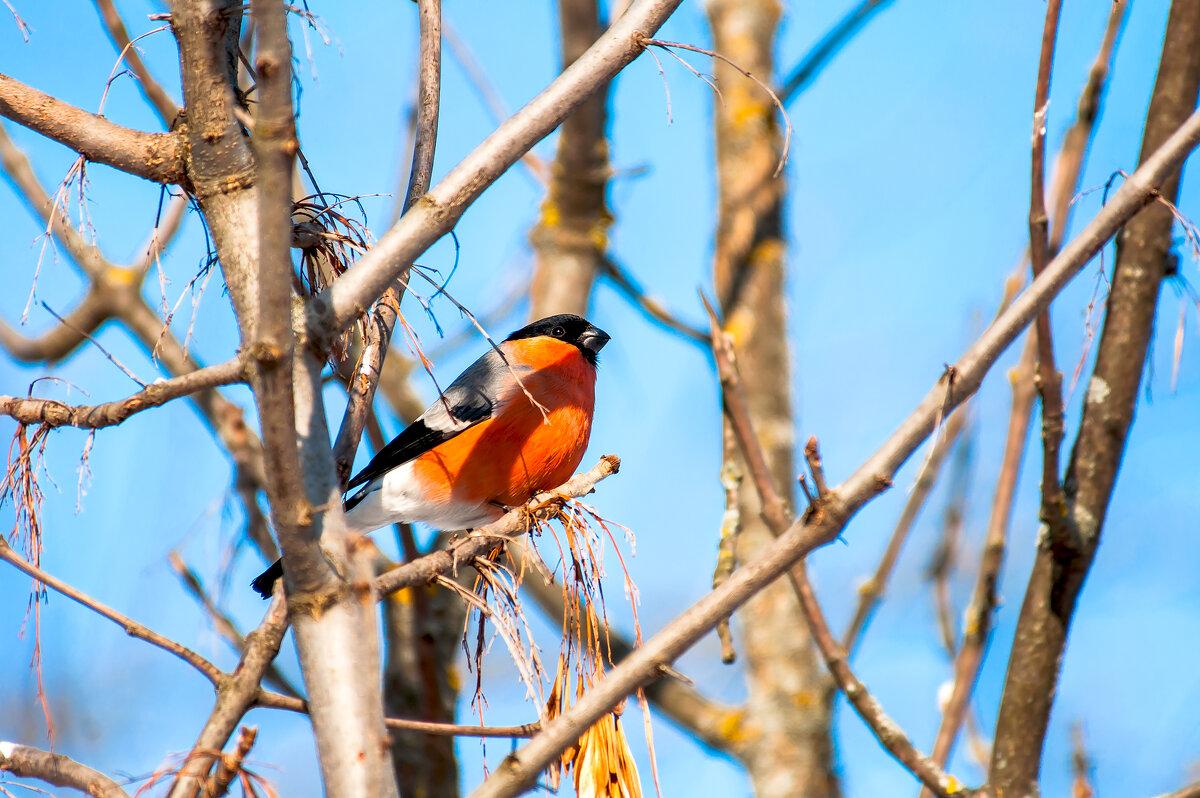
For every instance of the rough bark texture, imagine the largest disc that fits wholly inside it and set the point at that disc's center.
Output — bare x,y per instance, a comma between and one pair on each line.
793,756
424,628
332,611
155,156
1059,570
571,235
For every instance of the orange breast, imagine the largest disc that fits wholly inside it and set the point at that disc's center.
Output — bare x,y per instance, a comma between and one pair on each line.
516,453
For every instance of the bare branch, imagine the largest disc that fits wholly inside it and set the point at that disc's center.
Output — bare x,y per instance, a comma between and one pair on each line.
383,321
440,209
1190,791
515,522
155,156
648,304
1049,380
874,476
870,593
165,107
32,763
236,694
1060,567
131,627
276,701
978,623
58,414
829,46
778,519
223,624
62,339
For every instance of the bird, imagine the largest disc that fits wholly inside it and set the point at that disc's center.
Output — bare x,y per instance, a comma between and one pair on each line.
515,422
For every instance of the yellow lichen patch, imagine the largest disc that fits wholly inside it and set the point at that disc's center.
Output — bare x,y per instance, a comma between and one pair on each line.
732,726
806,698
551,216
403,596
121,276
739,326
768,252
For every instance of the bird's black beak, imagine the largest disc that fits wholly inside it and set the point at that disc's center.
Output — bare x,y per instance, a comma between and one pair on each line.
593,339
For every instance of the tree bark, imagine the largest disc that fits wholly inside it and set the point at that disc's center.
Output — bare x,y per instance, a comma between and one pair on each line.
1060,568
787,690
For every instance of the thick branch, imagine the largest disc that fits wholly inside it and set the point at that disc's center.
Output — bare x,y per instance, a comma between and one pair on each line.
32,763
1059,571
874,476
64,337
58,414
155,156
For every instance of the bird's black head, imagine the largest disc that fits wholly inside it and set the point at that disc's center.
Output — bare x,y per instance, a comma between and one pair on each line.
569,328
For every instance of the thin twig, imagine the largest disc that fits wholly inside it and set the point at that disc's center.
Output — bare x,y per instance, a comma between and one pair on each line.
153,91
223,624
787,122
131,627
1049,380
276,701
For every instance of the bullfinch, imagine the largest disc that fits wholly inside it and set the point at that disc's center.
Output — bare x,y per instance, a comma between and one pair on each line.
483,446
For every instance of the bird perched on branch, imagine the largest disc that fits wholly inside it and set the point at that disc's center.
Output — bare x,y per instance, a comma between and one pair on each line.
516,422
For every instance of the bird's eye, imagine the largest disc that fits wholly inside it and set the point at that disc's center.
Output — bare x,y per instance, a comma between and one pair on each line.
558,332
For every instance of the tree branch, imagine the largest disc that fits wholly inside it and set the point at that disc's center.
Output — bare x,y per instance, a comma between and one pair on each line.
515,522
1049,380
977,626
271,700
440,209
131,627
158,157
829,46
361,389
26,762
64,337
236,694
778,519
720,727
1059,570
874,476
151,89
53,413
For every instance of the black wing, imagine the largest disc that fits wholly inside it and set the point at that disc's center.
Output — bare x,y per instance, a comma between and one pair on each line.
470,399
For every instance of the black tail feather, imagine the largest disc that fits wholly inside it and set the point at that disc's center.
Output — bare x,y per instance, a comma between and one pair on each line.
264,583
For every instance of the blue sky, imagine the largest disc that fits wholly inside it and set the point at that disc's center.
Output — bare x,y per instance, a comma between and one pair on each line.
908,194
